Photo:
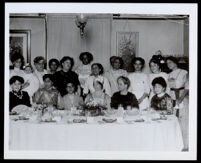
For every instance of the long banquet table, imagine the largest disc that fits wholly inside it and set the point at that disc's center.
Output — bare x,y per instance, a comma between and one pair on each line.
162,135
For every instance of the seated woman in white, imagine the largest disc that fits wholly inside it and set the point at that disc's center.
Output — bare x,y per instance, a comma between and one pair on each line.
98,97
97,74
71,99
115,72
139,83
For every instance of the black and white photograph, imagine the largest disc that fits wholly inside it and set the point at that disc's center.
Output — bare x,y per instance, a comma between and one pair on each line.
100,81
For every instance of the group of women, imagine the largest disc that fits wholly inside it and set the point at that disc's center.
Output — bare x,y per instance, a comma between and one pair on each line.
64,86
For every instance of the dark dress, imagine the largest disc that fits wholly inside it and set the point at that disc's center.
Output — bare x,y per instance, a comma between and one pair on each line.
160,103
61,78
15,100
124,100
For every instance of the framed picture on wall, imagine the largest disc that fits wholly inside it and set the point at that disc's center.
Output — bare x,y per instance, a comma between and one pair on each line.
20,41
127,47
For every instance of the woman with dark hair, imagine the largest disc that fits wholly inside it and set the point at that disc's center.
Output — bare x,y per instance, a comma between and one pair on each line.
71,99
66,74
116,71
96,74
48,95
123,96
39,63
53,65
176,78
155,65
18,61
161,100
139,83
84,70
16,95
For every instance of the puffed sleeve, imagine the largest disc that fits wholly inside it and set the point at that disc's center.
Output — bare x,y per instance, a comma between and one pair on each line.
146,84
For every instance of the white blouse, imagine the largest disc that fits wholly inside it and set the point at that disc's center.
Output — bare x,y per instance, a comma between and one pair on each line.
139,86
17,72
83,72
39,75
177,79
112,76
89,84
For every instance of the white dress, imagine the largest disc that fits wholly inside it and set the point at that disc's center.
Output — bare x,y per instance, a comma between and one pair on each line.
112,76
89,84
151,77
83,72
33,84
177,79
39,75
17,72
139,86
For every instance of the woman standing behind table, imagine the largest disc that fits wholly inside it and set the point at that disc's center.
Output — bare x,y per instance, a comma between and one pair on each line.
18,62
115,72
66,74
183,102
84,70
155,67
176,78
53,65
123,96
39,72
96,74
32,82
139,83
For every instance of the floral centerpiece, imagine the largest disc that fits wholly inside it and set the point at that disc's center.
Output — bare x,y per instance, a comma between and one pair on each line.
94,108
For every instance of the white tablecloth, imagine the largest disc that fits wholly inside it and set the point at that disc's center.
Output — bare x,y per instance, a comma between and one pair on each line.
163,135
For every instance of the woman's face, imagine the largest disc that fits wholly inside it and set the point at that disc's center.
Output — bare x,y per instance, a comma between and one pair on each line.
53,66
48,83
85,60
171,65
121,85
116,64
97,86
154,67
158,89
95,70
17,63
16,86
70,88
138,65
28,70
40,65
66,65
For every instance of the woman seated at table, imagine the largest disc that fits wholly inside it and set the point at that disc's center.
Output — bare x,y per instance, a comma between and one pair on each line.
97,71
48,95
161,100
98,97
71,99
16,95
124,97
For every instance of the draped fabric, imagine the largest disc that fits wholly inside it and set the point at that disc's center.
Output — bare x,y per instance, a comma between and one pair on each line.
63,39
